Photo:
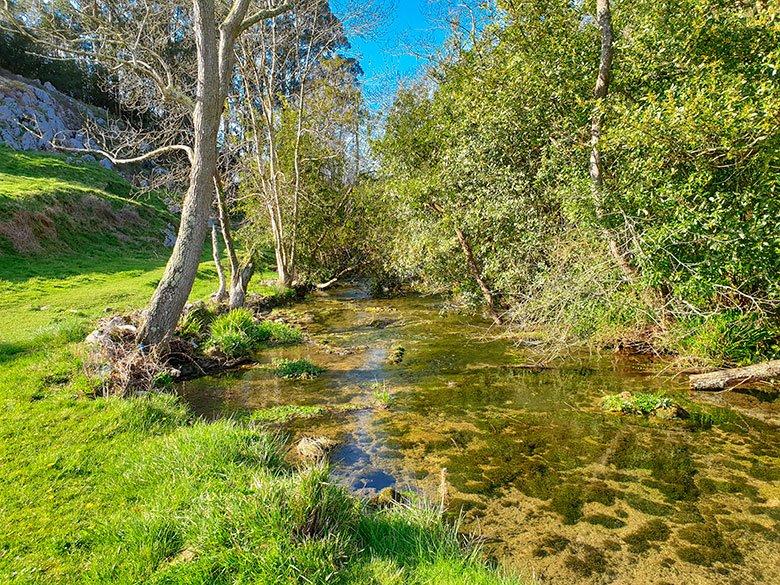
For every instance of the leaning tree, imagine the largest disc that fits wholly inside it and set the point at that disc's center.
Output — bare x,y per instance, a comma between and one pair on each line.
135,41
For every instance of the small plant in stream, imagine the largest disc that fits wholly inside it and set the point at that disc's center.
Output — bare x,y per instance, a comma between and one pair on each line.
640,403
278,333
380,393
297,369
285,413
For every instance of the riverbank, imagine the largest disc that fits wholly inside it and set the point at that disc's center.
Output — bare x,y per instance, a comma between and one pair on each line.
109,490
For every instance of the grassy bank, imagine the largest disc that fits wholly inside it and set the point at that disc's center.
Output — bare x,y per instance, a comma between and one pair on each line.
136,491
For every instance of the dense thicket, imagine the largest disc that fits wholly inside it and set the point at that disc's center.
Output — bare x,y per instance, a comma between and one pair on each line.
496,144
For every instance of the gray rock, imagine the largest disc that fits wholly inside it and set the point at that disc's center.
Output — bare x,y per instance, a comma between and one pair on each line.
106,164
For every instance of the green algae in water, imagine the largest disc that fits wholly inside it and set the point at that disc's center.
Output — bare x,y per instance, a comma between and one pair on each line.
552,544
605,520
709,546
285,413
531,439
587,560
643,538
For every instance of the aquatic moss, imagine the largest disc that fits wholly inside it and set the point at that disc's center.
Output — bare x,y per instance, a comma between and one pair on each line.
709,546
600,492
605,520
285,413
641,539
568,501
671,466
587,560
552,544
649,507
396,355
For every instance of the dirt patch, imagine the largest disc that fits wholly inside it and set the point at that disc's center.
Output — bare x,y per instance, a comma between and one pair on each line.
31,233
27,231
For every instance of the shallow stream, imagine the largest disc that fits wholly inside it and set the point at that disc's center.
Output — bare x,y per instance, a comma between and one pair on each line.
554,487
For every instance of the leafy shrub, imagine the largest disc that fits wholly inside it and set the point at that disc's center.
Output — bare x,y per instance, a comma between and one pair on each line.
729,336
234,334
297,369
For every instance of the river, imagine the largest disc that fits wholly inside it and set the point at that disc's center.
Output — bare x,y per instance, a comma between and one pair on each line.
436,403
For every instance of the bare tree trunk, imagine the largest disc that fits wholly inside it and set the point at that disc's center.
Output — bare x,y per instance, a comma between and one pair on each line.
604,22
174,288
239,277
221,293
476,272
725,379
239,287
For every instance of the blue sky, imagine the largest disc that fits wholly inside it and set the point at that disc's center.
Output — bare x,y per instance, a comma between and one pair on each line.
405,32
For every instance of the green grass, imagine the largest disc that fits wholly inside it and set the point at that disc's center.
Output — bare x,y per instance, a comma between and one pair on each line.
137,490
297,369
237,334
639,403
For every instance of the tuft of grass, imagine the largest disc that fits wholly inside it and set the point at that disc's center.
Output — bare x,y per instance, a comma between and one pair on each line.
728,337
640,403
233,334
278,333
301,369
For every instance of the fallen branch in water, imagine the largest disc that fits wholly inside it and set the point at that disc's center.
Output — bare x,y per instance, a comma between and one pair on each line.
326,285
734,377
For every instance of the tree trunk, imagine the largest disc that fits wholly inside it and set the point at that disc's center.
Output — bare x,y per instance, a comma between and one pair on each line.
604,22
476,272
239,277
221,293
239,286
724,379
174,288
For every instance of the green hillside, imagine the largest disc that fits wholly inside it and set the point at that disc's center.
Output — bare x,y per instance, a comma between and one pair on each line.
74,240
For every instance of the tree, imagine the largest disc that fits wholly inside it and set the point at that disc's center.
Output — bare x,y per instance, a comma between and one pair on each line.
294,99
131,40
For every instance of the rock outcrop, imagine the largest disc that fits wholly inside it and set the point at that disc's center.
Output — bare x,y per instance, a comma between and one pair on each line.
29,104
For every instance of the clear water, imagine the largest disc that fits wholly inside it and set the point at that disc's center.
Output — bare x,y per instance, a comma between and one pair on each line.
552,486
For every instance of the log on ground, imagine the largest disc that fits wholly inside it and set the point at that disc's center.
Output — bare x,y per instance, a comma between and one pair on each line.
731,378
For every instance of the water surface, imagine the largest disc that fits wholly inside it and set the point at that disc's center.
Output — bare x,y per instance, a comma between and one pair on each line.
553,487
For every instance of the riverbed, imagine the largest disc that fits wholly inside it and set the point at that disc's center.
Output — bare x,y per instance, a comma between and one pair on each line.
439,405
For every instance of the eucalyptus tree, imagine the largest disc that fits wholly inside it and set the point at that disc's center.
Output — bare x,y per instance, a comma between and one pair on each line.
293,101
131,39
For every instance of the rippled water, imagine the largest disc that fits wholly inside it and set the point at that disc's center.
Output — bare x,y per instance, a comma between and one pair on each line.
554,487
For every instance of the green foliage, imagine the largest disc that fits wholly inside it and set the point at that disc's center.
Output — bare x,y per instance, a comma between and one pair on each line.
689,143
639,403
301,369
278,333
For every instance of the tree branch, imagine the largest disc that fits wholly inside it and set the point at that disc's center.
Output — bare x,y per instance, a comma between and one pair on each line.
263,14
